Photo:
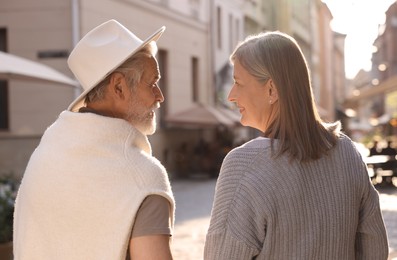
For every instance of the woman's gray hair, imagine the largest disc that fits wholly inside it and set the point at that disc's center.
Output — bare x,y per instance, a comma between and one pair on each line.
298,126
132,69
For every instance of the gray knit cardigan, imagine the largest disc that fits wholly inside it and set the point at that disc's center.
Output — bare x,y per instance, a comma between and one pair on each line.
274,208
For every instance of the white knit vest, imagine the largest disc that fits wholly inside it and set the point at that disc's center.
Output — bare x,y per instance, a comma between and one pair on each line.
82,189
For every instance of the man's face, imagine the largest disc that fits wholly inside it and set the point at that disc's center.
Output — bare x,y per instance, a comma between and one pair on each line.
145,98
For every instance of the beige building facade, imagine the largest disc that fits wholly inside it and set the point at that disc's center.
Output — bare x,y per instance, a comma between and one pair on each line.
193,58
373,93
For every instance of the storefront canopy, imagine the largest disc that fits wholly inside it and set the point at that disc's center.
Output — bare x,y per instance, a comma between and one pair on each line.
204,116
14,67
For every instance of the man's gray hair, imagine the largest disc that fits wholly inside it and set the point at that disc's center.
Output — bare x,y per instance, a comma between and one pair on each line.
132,69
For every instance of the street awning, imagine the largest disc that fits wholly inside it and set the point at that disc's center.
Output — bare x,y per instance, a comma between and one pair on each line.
204,116
14,67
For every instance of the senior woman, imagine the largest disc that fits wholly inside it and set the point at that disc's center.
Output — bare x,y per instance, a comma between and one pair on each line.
300,191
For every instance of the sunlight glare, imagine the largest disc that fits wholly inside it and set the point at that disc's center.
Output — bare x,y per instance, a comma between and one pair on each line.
359,20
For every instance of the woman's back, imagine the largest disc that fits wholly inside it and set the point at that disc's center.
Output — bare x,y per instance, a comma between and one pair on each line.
277,208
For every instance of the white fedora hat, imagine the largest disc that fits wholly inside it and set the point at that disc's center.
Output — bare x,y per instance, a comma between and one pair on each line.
100,52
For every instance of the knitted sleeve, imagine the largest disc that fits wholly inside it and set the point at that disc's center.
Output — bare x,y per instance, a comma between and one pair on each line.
371,239
236,231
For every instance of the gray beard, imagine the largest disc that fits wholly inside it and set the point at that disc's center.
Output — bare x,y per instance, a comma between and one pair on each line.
144,121
148,126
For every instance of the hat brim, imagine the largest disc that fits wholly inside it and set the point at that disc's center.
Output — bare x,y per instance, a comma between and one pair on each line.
79,101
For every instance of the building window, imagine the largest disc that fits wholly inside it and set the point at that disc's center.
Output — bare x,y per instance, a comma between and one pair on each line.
195,83
195,8
164,3
162,59
4,119
219,27
4,105
237,32
231,33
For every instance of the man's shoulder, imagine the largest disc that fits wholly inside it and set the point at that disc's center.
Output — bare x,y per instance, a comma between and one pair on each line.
147,169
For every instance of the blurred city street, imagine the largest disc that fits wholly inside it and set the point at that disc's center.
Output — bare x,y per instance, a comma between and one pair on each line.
193,208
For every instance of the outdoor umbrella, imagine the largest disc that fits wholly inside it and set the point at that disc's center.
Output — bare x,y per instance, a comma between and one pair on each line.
14,67
200,115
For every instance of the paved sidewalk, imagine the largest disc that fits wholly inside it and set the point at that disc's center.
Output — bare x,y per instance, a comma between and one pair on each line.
193,208
388,203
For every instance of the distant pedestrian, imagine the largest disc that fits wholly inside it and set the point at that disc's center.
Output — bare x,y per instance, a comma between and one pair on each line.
389,150
374,149
301,191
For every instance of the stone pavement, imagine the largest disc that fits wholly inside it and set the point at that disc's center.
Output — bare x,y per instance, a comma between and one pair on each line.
388,203
193,208
193,200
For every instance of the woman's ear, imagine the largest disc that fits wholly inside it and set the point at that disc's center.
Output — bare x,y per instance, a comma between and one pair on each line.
273,93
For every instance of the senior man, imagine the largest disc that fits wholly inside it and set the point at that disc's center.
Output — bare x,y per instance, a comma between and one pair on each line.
92,189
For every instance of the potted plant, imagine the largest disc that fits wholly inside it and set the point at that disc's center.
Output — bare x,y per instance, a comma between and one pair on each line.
7,199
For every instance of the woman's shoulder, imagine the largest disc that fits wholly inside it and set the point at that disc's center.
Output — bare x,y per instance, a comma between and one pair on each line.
258,143
345,143
247,152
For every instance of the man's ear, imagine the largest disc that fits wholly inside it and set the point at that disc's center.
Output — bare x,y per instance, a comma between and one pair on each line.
117,85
